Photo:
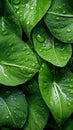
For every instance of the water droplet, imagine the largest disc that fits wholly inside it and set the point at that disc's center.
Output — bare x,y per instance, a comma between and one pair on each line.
57,18
8,92
31,8
17,12
68,30
16,7
71,79
47,46
65,58
71,91
60,7
16,2
40,38
71,86
33,65
20,15
4,32
14,111
68,103
64,12
24,49
15,98
7,117
27,22
69,40
27,53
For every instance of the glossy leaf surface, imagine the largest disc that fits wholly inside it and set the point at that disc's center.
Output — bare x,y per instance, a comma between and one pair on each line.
17,61
27,11
38,111
49,48
59,19
56,87
13,108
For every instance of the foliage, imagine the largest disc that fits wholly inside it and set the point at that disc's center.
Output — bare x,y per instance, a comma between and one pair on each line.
36,64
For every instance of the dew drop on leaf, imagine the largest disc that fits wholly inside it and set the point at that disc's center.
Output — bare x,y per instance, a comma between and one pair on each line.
64,12
71,91
68,30
57,18
16,2
40,38
71,86
7,117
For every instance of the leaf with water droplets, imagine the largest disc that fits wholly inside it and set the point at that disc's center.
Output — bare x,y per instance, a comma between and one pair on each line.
38,112
54,84
9,110
49,48
16,64
28,9
60,20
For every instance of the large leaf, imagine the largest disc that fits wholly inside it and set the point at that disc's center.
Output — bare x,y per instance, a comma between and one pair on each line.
56,87
38,112
13,108
17,61
59,19
27,11
49,48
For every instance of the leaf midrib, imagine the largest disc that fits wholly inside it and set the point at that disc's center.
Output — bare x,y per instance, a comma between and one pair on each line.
59,63
56,87
61,15
9,112
15,65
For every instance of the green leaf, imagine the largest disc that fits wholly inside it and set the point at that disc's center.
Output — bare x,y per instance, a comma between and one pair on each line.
49,48
18,63
27,11
38,111
13,108
56,86
59,20
9,23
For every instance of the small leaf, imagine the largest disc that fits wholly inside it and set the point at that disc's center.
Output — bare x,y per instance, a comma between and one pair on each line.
56,87
38,112
49,48
27,12
59,20
13,108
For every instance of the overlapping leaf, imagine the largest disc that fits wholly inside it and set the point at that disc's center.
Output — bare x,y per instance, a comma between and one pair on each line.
49,48
13,108
59,19
56,87
38,112
30,12
18,63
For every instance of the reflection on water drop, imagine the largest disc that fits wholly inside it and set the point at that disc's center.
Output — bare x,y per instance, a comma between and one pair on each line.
57,18
68,30
71,91
71,86
40,38
7,117
31,8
